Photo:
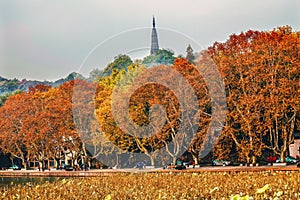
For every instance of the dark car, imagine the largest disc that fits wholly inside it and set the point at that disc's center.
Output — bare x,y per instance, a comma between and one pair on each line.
178,167
68,168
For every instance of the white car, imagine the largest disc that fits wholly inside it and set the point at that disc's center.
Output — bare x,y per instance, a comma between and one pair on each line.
221,162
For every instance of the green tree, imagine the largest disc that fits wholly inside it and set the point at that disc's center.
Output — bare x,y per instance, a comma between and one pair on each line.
189,54
120,62
162,56
95,75
5,96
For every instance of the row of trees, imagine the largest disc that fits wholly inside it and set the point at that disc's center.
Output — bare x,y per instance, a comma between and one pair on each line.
261,72
261,75
37,125
120,114
162,135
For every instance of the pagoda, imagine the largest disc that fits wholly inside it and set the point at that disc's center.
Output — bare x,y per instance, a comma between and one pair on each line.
154,39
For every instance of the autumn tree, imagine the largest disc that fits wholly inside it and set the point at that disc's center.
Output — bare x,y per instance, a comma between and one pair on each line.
37,124
171,129
13,114
94,142
261,74
103,103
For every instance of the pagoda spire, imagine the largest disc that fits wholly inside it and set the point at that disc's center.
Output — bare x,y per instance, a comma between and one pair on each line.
153,22
154,39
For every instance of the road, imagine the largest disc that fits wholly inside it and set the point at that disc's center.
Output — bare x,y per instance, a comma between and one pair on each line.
107,172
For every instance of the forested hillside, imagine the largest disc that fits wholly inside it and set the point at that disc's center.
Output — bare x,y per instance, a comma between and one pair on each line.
9,87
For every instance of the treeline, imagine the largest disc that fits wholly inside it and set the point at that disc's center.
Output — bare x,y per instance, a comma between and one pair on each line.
37,125
260,73
10,87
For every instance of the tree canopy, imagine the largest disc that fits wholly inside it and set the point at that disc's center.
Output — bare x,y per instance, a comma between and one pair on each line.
162,56
120,62
260,72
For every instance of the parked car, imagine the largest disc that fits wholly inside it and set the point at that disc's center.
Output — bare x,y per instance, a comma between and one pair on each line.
4,167
68,168
217,162
272,159
170,166
189,163
288,160
178,167
15,167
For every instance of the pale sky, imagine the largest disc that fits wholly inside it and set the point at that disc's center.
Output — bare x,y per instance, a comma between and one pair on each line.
48,39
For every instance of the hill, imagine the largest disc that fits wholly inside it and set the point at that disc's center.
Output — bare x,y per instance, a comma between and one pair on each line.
8,86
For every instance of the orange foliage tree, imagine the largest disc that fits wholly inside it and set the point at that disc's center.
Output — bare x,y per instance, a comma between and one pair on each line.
38,125
261,74
146,93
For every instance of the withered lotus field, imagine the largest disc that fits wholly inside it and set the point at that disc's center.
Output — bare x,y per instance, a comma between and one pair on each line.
171,185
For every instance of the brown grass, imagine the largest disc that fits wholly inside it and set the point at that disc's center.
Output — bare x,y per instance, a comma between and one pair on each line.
204,185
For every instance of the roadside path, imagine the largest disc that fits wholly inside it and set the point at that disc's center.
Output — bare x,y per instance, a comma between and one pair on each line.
109,172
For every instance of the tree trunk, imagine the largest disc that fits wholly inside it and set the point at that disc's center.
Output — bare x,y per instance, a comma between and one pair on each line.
152,160
56,163
174,160
282,156
24,163
48,163
195,159
248,159
253,159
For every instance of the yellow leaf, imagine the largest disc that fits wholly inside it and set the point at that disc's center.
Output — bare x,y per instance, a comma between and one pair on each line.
64,181
214,189
263,189
247,197
235,197
108,197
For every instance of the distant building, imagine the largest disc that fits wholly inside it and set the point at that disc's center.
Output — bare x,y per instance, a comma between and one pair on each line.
295,147
154,39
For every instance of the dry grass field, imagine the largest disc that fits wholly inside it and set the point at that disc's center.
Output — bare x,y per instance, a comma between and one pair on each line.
203,185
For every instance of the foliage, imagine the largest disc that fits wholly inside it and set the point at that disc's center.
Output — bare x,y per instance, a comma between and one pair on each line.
143,114
261,75
95,74
73,76
120,62
190,55
260,70
38,124
220,185
4,97
8,86
161,56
